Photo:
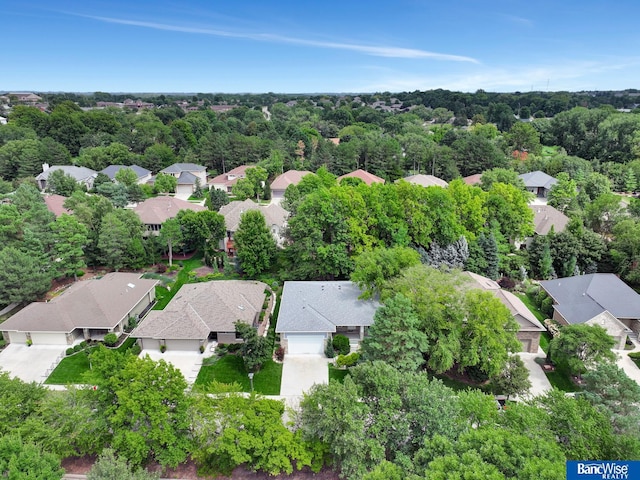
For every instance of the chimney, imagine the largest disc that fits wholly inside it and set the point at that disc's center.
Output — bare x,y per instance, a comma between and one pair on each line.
45,167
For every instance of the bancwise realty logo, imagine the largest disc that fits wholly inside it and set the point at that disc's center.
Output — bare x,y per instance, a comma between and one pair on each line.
603,470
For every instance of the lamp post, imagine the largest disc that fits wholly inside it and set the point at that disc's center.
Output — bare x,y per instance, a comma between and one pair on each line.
251,380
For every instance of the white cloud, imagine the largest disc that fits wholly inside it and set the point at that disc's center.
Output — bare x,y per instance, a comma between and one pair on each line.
378,51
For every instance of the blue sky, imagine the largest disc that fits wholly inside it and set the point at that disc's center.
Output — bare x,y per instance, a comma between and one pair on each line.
310,47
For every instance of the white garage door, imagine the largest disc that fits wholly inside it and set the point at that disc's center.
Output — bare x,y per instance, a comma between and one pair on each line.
17,337
300,344
183,345
150,344
40,338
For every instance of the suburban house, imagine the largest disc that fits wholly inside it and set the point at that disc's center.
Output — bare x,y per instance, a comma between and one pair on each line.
363,175
274,215
530,326
201,312
84,176
226,181
545,217
281,182
188,175
143,174
312,312
426,180
596,299
88,309
472,179
55,204
154,211
538,183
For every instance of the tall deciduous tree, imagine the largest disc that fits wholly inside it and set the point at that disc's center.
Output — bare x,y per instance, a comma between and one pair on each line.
69,236
254,243
254,349
171,235
581,346
165,183
61,183
25,461
514,379
395,336
374,267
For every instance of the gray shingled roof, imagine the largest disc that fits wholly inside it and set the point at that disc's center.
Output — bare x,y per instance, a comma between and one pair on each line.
78,173
111,170
323,306
201,308
96,303
538,179
580,298
187,178
183,167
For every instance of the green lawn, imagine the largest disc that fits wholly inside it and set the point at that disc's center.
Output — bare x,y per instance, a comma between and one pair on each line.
337,373
230,369
562,381
72,369
163,294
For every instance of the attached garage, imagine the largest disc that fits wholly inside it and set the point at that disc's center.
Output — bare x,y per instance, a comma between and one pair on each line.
49,338
525,345
17,337
305,344
149,343
183,345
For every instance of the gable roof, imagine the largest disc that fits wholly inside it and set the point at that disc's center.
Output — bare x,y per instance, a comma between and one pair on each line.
273,213
78,173
472,179
538,179
111,170
281,182
426,180
183,167
545,217
201,308
231,177
156,210
525,318
96,303
363,175
187,178
582,297
323,306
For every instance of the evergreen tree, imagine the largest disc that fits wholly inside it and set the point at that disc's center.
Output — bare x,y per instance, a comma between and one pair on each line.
254,243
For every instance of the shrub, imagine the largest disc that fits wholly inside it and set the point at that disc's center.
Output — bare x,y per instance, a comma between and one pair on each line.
135,350
507,283
329,351
110,339
234,347
83,344
341,344
280,354
29,342
476,374
161,268
77,348
634,355
347,360
163,348
546,306
79,273
69,351
201,348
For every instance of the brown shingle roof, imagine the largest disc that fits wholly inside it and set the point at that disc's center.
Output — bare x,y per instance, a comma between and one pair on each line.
281,182
273,213
363,175
96,303
545,217
55,204
156,210
201,308
426,180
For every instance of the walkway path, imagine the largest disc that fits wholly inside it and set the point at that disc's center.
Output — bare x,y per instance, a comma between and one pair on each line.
539,382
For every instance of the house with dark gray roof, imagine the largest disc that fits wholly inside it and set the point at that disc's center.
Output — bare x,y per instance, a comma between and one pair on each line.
188,175
143,174
312,312
88,309
202,312
538,183
596,299
530,326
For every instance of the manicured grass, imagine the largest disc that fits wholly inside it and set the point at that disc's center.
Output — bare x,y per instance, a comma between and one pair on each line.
71,370
230,369
561,381
164,295
337,374
545,338
531,306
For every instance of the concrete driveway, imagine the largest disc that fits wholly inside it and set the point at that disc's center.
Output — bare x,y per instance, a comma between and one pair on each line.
539,382
188,363
626,364
30,364
301,372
